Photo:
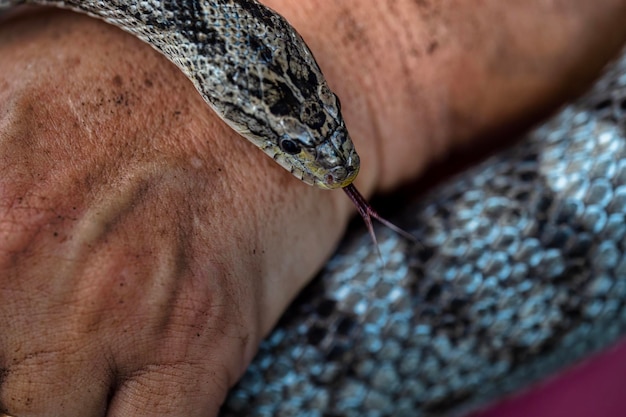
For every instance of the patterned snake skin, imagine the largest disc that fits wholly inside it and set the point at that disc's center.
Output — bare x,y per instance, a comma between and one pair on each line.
521,274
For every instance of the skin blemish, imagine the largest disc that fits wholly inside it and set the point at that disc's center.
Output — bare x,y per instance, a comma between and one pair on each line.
117,81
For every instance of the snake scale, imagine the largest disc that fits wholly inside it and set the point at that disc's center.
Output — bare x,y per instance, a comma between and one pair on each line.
521,270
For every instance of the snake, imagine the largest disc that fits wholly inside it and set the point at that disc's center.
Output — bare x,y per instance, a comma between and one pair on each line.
520,269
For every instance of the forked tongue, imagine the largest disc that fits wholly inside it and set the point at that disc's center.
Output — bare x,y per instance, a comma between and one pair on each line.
367,212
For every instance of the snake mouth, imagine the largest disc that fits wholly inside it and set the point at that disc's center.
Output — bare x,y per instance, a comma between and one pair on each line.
343,175
338,177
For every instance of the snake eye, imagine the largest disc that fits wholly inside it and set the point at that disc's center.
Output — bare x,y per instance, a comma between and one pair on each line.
289,146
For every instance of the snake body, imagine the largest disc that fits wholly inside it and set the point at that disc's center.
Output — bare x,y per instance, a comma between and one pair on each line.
522,269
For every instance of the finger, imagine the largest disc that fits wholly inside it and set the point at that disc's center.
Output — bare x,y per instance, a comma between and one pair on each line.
183,389
53,383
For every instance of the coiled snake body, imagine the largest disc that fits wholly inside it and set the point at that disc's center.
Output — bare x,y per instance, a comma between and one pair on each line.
521,271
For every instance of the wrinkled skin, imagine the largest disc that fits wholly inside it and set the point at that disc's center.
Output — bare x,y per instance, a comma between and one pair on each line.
145,248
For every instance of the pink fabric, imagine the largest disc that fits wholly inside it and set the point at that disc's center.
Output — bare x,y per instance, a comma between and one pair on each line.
595,388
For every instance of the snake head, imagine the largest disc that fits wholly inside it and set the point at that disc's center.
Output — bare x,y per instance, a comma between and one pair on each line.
329,162
314,144
267,85
297,121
